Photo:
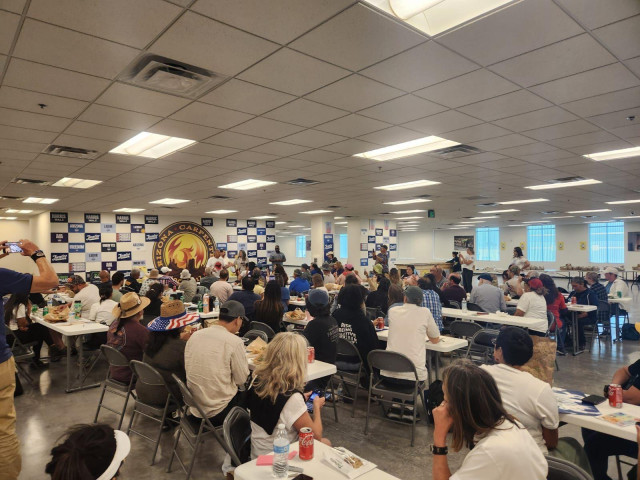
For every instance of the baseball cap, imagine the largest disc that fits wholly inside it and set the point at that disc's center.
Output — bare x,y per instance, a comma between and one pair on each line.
414,294
485,276
534,283
232,309
318,298
348,266
76,280
165,269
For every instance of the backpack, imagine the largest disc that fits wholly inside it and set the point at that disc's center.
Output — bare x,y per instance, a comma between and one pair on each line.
629,332
433,398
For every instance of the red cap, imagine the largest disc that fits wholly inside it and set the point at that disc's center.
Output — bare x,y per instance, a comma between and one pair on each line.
535,283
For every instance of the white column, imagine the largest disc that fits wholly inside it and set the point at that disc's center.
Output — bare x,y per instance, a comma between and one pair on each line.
318,230
353,241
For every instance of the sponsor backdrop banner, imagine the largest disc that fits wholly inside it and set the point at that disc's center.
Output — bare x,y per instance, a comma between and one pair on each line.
151,219
206,222
76,248
328,243
59,258
91,218
76,228
123,218
108,228
137,228
58,217
59,237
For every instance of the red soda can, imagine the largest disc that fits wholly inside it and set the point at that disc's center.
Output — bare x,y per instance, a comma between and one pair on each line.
311,354
574,300
305,443
615,396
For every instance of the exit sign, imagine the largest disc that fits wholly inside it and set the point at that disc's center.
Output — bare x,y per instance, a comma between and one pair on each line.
431,214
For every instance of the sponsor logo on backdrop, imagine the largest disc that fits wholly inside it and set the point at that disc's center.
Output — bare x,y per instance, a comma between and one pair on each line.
151,219
252,254
252,239
262,246
232,254
184,245
232,222
252,224
137,228
92,238
364,262
393,247
123,237
139,263
393,233
151,237
77,267
123,218
364,247
328,243
271,238
138,245
93,277
242,231
76,248
108,228
59,237
206,222
261,231
232,238
91,218
379,232
109,266
59,258
76,228
262,261
109,247
271,224
58,217
371,239
124,256
221,246
92,257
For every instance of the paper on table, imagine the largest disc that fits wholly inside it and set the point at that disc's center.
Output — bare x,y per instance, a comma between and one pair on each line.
620,419
268,459
570,401
347,463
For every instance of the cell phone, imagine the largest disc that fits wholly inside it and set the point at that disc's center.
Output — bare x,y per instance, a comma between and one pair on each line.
14,247
593,399
302,476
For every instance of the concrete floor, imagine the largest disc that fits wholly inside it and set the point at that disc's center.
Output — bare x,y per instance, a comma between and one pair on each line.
46,412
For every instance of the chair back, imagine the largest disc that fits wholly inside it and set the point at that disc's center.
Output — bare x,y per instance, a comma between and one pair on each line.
237,433
562,290
200,290
347,349
560,469
114,357
454,304
464,329
21,351
603,306
373,313
391,361
263,327
485,338
147,374
551,318
196,298
474,307
251,335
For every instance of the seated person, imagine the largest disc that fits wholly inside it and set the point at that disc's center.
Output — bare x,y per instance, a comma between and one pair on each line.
454,291
276,397
305,272
600,446
486,296
439,275
154,294
584,296
216,364
209,277
269,309
188,285
348,271
532,303
409,328
615,285
150,280
511,286
326,273
315,270
317,283
431,300
103,312
131,283
246,297
395,299
221,288
166,279
298,285
379,299
117,282
321,332
529,399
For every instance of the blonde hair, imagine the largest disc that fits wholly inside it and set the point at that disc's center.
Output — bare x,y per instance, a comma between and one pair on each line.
284,367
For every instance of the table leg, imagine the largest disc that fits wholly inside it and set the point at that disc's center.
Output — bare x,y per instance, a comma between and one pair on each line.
437,365
81,375
70,342
616,308
429,365
574,323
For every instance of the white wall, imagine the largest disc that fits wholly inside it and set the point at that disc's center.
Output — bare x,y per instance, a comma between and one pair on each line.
12,231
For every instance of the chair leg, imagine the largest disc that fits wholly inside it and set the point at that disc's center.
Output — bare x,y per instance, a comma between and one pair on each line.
619,466
126,401
415,415
175,446
162,420
133,415
195,452
355,400
333,396
104,389
366,421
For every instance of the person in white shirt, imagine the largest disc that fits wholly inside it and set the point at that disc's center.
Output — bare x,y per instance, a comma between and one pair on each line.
222,289
501,448
213,260
467,260
519,260
512,283
615,285
529,399
409,327
532,303
86,293
102,312
328,276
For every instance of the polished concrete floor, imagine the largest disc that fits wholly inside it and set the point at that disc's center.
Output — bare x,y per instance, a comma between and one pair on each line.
45,412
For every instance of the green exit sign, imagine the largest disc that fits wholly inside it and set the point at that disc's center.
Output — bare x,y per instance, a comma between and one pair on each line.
431,214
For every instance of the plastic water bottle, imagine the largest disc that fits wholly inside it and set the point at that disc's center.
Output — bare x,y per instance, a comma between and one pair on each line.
464,305
216,305
281,453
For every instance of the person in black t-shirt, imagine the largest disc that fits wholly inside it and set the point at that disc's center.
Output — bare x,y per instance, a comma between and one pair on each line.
322,332
600,446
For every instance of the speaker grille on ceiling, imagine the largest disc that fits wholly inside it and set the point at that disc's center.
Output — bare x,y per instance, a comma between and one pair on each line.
456,151
29,181
62,151
302,182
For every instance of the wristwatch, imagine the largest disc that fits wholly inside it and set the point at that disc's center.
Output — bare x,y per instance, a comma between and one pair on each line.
439,450
38,254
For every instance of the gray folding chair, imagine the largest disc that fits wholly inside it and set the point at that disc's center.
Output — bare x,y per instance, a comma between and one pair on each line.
251,335
391,394
121,389
560,469
148,375
348,377
474,307
481,346
264,327
551,321
463,329
237,433
454,304
195,430
23,354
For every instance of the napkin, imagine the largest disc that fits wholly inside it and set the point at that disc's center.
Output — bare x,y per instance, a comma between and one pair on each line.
268,459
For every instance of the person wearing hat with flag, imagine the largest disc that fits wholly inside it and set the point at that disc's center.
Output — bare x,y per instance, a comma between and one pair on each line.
165,350
487,297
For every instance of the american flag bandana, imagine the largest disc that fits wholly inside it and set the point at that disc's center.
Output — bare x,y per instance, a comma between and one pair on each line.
161,324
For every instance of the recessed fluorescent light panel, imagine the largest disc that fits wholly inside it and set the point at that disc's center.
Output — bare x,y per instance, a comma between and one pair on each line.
407,218
614,154
247,184
76,183
129,210
13,210
407,149
577,183
169,201
483,218
538,221
407,202
531,200
152,145
591,211
622,202
315,212
8,218
400,212
501,211
436,16
40,200
565,216
264,217
341,223
403,186
294,201
221,212
630,216
295,226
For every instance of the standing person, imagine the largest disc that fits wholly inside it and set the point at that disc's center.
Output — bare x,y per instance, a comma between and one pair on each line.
269,309
557,306
502,449
467,260
150,280
584,296
519,260
382,258
456,266
221,289
321,332
240,262
188,285
277,257
211,261
86,293
331,258
431,300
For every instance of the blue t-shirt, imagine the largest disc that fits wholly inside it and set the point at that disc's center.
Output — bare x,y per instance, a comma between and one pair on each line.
299,285
11,282
284,292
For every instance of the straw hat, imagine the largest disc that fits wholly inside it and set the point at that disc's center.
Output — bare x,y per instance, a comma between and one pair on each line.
172,315
129,305
154,273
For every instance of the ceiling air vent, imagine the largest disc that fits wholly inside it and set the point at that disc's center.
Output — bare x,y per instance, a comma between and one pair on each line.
490,204
550,212
588,216
170,76
456,151
334,206
475,197
29,181
424,196
9,197
567,179
302,182
219,197
62,151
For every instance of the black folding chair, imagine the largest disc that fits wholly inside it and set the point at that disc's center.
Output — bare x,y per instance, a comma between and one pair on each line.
348,377
251,335
474,307
237,433
23,354
263,327
391,394
482,346
454,304
121,389
148,375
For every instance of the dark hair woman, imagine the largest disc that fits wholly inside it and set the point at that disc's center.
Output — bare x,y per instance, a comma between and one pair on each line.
557,306
315,270
154,294
378,299
395,298
394,277
269,309
519,259
279,270
502,449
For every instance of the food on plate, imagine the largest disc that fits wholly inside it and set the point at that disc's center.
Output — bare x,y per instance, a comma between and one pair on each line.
332,287
257,347
297,314
58,313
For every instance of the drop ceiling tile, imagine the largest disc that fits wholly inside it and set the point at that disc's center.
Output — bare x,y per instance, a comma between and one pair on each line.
561,59
100,132
116,117
473,87
596,13
347,39
280,148
354,93
16,155
236,140
89,144
266,128
128,97
318,156
42,78
15,6
633,64
587,84
500,143
8,25
537,119
584,139
484,40
403,109
28,101
144,19
560,130
292,72
622,38
175,128
22,146
25,134
618,119
3,61
353,126
209,44
280,21
64,48
391,136
351,147
305,113
476,133
442,122
529,149
506,105
246,97
211,116
608,102
209,150
630,133
252,157
36,121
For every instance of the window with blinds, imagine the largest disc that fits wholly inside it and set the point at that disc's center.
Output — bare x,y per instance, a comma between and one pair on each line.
343,242
541,243
606,242
301,246
488,244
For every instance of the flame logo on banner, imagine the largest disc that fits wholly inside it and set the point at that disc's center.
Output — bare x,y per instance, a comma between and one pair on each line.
183,245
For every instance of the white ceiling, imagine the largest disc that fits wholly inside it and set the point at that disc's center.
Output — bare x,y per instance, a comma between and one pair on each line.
312,82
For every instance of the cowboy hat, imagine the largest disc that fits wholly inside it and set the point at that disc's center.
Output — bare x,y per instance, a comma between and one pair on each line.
172,315
129,305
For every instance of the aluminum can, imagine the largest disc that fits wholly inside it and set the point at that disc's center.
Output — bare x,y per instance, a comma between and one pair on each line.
615,396
574,300
619,294
305,443
311,354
